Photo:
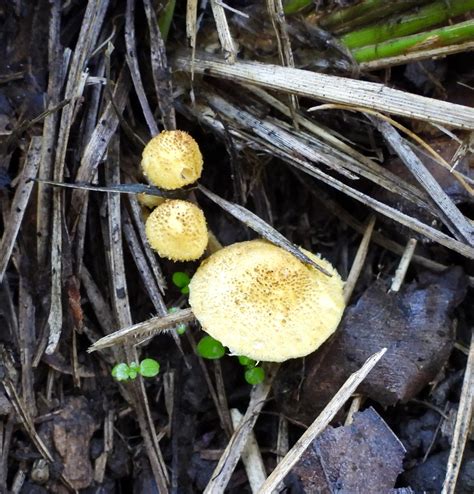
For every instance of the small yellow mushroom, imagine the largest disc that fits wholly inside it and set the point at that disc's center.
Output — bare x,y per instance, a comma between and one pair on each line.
177,230
262,302
150,201
172,160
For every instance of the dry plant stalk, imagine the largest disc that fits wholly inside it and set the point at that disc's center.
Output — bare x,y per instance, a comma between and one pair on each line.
463,422
403,265
320,423
251,456
231,456
223,30
359,260
19,203
151,327
334,89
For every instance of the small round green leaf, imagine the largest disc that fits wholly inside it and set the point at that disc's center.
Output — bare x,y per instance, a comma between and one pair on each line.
180,279
210,348
132,373
134,367
185,290
255,375
181,328
247,362
149,367
120,372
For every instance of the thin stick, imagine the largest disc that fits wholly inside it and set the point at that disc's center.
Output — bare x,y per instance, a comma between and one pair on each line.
19,203
160,70
229,459
224,419
222,396
132,62
122,312
459,225
461,429
403,266
251,456
359,260
320,423
355,407
56,72
223,31
153,326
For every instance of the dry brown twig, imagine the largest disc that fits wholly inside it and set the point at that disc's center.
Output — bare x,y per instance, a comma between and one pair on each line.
463,422
334,89
19,203
321,422
231,456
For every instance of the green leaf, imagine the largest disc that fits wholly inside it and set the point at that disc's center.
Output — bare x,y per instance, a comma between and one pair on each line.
181,329
210,348
254,376
180,279
149,367
247,362
120,372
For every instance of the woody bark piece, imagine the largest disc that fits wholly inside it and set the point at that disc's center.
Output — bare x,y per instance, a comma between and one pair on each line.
365,456
72,431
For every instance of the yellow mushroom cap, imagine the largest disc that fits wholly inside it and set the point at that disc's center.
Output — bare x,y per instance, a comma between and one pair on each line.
172,160
262,302
177,230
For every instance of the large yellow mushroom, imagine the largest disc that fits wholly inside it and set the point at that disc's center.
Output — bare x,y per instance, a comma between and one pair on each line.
177,230
172,159
262,302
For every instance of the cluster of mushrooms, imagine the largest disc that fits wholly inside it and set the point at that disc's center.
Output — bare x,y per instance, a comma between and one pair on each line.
254,297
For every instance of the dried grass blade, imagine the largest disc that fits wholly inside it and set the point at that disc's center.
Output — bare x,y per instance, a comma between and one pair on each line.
55,80
458,224
160,69
132,62
231,455
90,28
191,29
100,138
315,150
223,31
461,429
123,315
120,188
251,456
334,89
261,227
19,203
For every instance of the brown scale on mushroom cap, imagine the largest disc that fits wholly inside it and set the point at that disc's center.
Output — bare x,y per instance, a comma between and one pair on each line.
177,230
262,302
172,159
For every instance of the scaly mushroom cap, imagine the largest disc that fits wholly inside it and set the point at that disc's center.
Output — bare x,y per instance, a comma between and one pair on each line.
262,302
177,230
172,160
